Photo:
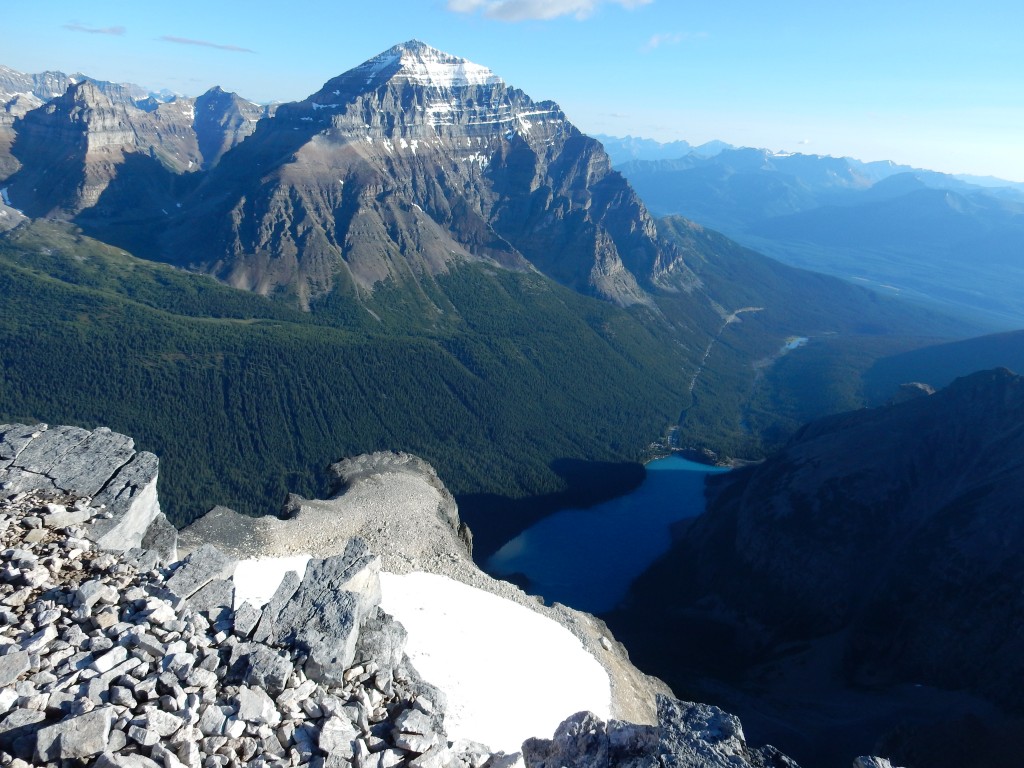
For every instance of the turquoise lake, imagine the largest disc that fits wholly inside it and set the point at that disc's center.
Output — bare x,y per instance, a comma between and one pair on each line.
587,558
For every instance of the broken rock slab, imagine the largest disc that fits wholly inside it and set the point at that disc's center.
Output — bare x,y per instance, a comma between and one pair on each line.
324,613
201,567
101,465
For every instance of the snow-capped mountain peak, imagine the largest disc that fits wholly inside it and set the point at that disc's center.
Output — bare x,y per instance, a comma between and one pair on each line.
418,63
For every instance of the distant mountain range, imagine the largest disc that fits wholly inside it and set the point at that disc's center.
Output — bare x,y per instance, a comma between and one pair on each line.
623,149
955,241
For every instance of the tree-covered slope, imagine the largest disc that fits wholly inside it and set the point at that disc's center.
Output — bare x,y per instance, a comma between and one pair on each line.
245,399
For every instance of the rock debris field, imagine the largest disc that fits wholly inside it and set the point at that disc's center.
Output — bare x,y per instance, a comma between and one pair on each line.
120,658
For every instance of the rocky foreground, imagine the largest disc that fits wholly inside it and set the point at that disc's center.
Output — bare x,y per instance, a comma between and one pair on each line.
113,657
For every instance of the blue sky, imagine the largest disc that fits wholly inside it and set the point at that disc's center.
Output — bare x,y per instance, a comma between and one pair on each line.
935,84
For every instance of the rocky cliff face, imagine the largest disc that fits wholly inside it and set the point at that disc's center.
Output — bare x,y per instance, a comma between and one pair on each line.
879,548
411,161
20,93
111,659
100,465
72,144
901,524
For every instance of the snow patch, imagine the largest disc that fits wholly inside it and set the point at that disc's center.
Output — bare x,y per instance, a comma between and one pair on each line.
422,65
508,672
256,580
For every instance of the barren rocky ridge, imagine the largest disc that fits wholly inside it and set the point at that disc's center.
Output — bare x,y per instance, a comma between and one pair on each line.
117,657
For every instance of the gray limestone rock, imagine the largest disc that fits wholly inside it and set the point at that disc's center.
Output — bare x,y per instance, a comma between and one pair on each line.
12,666
93,591
261,667
414,688
200,568
703,736
323,616
580,740
161,538
76,737
13,440
49,448
92,462
131,498
381,639
266,627
255,706
63,518
101,464
503,760
215,599
124,760
18,731
246,618
437,756
337,737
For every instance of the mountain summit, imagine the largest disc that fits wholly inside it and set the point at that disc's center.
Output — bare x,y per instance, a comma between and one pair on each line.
418,63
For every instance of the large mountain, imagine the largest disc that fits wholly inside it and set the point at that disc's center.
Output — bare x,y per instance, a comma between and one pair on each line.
879,550
412,161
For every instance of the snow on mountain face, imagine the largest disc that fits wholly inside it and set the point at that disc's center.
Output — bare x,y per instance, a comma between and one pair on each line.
412,94
419,64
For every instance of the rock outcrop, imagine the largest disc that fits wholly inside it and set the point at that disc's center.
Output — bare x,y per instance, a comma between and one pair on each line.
687,735
110,659
398,505
100,465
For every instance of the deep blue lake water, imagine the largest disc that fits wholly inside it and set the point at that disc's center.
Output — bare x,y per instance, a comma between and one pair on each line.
587,558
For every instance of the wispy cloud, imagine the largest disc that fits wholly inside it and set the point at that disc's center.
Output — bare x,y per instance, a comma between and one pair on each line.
74,26
205,44
524,10
804,142
672,38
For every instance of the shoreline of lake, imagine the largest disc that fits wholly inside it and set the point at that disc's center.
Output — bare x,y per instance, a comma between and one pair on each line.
556,557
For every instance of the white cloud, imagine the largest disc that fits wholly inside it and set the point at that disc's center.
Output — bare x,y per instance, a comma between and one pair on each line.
76,27
672,38
205,44
523,10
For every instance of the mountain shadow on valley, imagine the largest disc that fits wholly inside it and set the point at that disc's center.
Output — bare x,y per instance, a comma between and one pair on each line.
495,519
861,586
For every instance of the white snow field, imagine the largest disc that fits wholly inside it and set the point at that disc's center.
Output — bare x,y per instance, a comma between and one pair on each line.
509,673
